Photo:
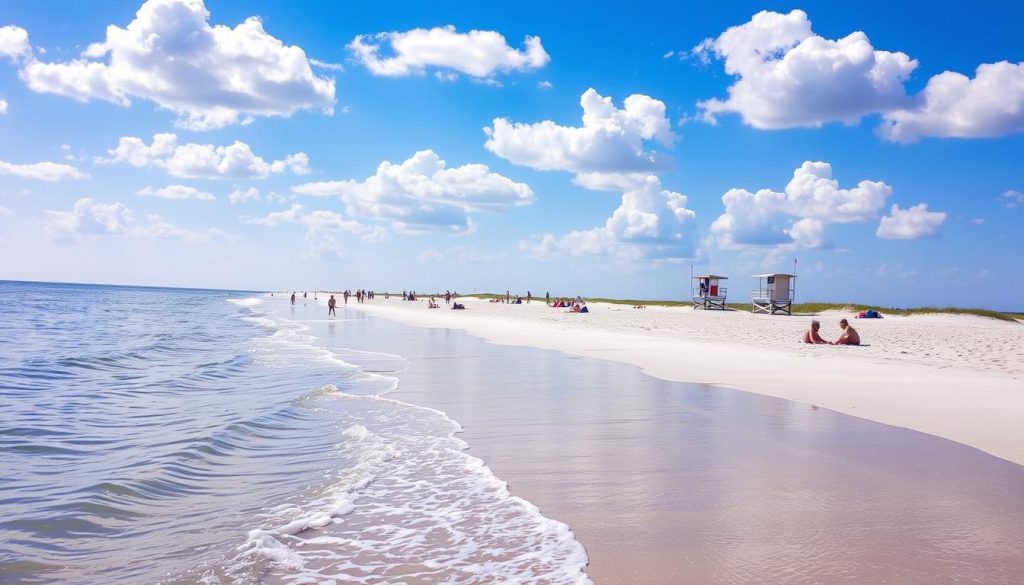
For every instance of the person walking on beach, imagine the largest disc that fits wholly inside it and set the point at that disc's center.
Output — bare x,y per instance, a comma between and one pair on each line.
529,297
547,297
330,306
849,335
345,294
293,298
508,297
811,335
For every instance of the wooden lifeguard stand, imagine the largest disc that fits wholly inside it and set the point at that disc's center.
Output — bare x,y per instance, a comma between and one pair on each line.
774,293
709,293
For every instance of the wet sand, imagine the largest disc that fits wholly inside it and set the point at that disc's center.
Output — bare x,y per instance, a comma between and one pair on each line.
666,482
953,376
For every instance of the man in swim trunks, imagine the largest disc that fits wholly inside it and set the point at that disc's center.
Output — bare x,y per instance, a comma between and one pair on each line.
811,335
330,306
849,335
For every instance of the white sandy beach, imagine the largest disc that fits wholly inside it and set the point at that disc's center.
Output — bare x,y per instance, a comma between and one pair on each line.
959,377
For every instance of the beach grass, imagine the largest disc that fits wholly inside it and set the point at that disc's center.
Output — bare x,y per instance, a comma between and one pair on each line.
805,308
815,308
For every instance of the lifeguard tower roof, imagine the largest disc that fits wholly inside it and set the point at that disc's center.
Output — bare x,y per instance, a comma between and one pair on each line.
712,276
772,274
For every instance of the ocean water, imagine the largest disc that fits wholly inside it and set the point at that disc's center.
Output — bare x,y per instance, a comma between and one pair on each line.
189,436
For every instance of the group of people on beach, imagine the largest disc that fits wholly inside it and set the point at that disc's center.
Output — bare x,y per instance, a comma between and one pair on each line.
304,295
849,335
518,300
361,295
577,305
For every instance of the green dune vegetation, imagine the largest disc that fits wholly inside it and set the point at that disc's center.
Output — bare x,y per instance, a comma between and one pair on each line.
800,308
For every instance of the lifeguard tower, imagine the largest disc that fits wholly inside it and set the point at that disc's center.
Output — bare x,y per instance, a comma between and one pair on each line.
774,293
709,293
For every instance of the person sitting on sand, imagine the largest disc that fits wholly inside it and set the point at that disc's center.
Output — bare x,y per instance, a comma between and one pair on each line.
811,335
849,335
458,306
431,304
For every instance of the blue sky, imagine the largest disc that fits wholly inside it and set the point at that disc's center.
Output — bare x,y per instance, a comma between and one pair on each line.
583,148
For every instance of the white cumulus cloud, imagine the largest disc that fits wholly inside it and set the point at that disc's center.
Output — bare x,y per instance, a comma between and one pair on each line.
954,105
787,76
3,106
423,194
238,196
201,161
1013,198
42,171
650,223
322,228
14,43
478,53
798,216
91,217
611,140
910,224
177,192
210,76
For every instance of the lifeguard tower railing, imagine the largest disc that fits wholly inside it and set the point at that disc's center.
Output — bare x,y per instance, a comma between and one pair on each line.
707,301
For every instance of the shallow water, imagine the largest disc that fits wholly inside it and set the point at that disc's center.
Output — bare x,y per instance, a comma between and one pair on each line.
190,436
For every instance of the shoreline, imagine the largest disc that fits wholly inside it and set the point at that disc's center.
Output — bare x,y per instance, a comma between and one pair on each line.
922,386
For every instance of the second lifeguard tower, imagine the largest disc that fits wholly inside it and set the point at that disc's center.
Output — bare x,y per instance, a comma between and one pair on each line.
774,293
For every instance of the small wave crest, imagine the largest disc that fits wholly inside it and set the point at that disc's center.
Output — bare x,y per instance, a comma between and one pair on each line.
413,507
247,302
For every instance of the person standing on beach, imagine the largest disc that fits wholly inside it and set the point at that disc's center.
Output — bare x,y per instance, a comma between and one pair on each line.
330,306
529,297
508,297
547,297
293,298
345,294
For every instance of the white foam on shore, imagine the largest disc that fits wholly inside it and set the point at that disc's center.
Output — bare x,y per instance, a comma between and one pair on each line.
413,507
246,302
